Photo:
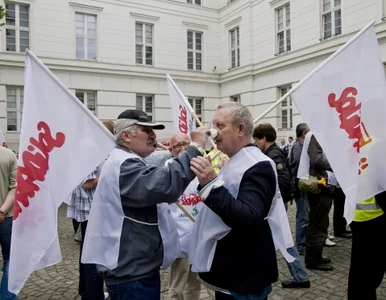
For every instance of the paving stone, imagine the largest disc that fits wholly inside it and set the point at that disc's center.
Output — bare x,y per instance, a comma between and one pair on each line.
61,281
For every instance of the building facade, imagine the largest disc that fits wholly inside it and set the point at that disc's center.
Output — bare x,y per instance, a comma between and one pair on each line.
115,54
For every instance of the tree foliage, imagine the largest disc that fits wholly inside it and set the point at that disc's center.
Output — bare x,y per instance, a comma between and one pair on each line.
2,15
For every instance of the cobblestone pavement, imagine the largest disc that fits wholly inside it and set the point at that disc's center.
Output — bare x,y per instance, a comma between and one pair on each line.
60,281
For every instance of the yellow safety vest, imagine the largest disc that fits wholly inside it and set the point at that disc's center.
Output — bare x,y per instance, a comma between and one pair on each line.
215,162
367,210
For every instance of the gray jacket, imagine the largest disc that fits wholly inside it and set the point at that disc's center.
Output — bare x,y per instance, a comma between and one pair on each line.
141,188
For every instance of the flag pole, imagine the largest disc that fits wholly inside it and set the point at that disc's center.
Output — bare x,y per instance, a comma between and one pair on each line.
180,206
332,56
189,106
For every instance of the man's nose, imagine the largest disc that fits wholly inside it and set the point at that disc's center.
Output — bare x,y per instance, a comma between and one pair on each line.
152,134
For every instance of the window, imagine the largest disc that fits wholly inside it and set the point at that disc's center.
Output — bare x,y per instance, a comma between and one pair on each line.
235,98
286,110
88,99
194,50
144,44
284,29
235,47
196,104
198,2
145,103
331,18
86,36
15,98
17,27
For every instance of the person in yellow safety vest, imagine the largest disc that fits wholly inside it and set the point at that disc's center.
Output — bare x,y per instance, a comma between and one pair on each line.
219,161
368,254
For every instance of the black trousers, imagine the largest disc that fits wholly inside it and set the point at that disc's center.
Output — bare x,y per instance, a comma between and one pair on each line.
318,222
368,258
339,222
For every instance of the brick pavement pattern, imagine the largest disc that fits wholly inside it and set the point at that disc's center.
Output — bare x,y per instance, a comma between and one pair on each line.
61,280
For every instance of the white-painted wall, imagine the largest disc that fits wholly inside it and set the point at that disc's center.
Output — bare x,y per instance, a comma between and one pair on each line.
116,78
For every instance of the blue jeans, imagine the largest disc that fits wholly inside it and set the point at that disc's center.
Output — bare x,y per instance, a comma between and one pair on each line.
148,288
90,282
301,221
297,268
5,242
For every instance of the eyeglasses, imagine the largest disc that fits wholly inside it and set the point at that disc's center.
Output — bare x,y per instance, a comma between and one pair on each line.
180,145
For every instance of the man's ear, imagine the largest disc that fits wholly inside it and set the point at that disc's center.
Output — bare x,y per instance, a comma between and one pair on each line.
241,129
126,137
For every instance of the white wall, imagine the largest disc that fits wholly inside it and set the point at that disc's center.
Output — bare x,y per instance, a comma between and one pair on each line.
117,79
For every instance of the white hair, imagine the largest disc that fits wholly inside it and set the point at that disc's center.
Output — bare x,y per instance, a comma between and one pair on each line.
240,114
120,125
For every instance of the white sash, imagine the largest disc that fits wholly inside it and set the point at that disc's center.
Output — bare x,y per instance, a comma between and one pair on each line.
104,228
192,202
209,227
304,164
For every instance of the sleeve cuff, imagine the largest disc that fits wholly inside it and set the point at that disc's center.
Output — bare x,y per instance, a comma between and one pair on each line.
214,184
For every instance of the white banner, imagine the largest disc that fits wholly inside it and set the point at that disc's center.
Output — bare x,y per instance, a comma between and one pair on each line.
343,103
182,111
61,142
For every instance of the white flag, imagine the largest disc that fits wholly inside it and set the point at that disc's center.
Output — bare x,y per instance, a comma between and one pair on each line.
182,111
3,143
343,102
61,142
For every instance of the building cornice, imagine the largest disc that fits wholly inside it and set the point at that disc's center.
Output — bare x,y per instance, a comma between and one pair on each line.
233,22
82,6
144,17
277,2
195,25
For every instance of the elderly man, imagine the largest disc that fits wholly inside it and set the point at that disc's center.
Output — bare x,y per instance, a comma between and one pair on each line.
244,264
128,234
8,168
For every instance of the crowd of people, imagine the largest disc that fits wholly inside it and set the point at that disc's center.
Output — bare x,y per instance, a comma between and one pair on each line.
128,212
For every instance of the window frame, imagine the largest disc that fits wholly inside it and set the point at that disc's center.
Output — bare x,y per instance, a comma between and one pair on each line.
144,44
143,104
288,108
236,48
194,2
85,36
18,109
193,103
17,28
193,50
285,31
332,12
85,99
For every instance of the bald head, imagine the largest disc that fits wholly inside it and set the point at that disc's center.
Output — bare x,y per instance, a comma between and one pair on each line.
179,142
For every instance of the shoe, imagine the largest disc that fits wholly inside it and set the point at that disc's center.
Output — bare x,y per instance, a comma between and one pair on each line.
329,243
292,284
331,237
106,295
345,235
321,267
326,260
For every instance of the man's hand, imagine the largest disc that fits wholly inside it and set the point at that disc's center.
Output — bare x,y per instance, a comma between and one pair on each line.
162,146
203,170
199,136
2,215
